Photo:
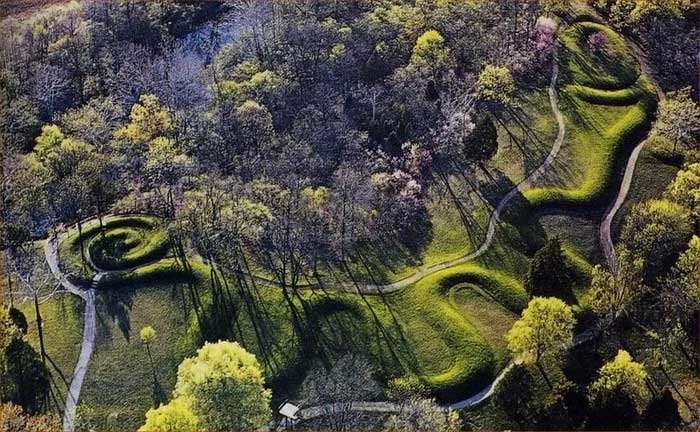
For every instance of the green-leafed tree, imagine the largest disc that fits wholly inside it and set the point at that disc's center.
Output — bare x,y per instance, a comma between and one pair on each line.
662,413
615,294
148,120
225,388
220,389
24,380
613,410
515,395
657,231
621,373
482,144
543,333
681,295
175,416
685,189
496,85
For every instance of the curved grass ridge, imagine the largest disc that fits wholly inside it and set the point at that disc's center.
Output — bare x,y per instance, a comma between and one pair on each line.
601,85
474,359
466,359
128,247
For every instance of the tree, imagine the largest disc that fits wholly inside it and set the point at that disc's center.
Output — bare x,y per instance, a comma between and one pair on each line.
662,413
406,388
616,294
681,295
349,379
496,85
555,6
543,333
147,335
14,419
685,189
621,373
423,415
147,120
24,380
430,52
32,271
657,231
224,387
613,410
548,274
564,409
679,119
515,395
175,416
481,145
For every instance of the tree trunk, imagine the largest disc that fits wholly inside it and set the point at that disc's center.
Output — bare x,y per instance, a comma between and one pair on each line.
697,343
153,367
39,322
82,248
9,289
678,392
544,375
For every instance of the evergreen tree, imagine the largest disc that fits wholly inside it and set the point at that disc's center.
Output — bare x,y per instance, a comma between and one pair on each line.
482,143
548,274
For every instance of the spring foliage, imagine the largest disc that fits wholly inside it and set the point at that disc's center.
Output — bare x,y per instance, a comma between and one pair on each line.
222,388
622,373
545,330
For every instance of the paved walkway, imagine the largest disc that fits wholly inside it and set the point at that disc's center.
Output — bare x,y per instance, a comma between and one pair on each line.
88,294
89,320
89,327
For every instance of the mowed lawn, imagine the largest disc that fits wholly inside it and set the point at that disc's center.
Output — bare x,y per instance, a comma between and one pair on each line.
447,328
608,104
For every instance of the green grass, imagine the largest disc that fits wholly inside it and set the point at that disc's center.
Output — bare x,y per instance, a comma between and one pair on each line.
608,105
447,328
128,247
63,329
612,68
421,330
69,249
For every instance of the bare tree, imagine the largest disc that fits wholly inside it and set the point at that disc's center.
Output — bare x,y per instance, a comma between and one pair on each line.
348,380
31,271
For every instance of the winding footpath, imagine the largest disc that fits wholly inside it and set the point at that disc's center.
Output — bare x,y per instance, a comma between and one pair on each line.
486,392
605,234
89,328
89,320
88,293
495,214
